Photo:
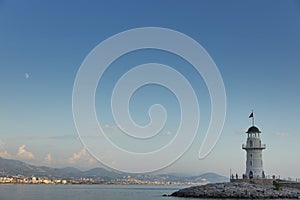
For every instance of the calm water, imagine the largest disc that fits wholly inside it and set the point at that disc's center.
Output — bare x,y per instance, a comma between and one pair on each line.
86,192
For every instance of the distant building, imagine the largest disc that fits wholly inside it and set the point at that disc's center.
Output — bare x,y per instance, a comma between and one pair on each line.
254,148
34,179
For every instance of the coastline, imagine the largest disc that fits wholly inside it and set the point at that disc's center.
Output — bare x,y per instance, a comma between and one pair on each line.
241,190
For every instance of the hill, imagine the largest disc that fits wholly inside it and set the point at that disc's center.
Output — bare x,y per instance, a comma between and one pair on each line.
15,167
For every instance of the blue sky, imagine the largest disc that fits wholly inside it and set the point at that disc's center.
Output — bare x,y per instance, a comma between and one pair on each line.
255,45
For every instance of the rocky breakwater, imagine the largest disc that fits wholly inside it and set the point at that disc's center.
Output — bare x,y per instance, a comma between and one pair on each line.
238,190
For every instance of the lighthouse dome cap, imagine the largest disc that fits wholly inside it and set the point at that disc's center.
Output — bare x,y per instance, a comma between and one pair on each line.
253,129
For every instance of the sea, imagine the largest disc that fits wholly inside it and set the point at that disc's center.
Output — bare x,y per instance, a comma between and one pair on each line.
87,192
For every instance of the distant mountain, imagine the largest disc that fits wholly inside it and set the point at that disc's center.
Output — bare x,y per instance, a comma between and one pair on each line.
15,167
103,173
214,178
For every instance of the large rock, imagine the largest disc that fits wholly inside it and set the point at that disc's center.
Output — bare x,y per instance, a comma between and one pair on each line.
237,190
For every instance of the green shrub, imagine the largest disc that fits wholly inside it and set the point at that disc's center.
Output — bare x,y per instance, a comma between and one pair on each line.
276,185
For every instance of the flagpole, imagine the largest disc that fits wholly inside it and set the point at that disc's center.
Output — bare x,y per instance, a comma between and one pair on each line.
253,118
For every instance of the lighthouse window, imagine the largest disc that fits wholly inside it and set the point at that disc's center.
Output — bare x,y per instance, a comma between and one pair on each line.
251,163
251,143
251,155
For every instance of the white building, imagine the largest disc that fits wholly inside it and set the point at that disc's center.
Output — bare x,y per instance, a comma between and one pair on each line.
254,148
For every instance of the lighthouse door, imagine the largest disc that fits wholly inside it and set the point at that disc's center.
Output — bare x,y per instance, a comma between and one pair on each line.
250,174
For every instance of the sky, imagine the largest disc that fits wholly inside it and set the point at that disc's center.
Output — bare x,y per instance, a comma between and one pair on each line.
255,46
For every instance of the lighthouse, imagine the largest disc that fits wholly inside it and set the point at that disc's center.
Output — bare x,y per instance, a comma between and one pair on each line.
254,148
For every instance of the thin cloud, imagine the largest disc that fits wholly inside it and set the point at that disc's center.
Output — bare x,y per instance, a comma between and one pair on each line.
282,135
63,137
240,132
5,154
23,153
48,158
54,137
91,160
168,133
77,156
27,75
2,144
82,156
113,127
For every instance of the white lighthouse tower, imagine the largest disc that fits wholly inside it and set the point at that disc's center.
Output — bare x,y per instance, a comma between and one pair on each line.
254,148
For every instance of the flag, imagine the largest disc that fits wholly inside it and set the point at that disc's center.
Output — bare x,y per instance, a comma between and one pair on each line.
251,115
